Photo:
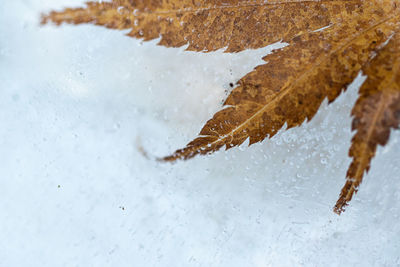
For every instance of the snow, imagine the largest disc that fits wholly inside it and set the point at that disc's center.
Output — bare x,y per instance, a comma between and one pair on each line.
79,102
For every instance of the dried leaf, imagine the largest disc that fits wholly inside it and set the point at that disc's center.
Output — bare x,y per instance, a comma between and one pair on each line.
209,25
330,42
377,111
292,85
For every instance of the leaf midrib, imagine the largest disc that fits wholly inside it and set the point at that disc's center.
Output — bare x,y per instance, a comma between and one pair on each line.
240,6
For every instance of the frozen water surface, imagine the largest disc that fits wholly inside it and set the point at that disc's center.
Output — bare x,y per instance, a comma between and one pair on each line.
75,190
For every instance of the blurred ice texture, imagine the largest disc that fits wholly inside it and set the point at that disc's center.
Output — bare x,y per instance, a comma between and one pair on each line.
75,102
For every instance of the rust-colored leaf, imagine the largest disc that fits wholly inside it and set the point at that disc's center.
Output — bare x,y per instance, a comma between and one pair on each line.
330,42
292,85
209,25
377,111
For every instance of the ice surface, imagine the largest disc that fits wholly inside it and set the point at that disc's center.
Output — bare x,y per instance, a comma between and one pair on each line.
75,190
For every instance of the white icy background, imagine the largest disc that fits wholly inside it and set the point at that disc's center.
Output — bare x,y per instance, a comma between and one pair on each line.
75,103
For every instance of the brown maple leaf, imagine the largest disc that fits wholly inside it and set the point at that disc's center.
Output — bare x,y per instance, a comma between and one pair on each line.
330,42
